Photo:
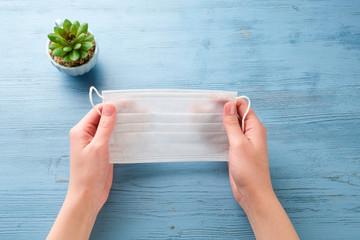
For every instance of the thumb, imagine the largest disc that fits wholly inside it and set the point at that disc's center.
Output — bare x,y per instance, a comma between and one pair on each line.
232,125
106,124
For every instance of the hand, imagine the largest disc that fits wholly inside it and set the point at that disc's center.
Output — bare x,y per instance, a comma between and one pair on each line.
90,172
248,156
90,175
250,176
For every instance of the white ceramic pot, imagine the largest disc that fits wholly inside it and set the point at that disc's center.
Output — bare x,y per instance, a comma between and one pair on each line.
79,70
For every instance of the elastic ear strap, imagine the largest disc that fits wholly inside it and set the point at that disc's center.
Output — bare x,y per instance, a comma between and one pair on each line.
247,111
91,99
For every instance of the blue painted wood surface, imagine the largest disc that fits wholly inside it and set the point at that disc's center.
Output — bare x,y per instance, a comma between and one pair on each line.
297,60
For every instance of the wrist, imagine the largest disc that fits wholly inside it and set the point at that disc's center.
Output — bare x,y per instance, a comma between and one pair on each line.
266,215
75,219
255,199
80,202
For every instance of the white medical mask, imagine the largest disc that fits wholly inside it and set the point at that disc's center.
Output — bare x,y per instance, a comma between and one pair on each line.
168,125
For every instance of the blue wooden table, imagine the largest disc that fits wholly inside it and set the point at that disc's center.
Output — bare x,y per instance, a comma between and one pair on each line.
299,62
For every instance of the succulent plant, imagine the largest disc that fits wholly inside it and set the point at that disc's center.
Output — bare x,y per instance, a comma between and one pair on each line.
71,42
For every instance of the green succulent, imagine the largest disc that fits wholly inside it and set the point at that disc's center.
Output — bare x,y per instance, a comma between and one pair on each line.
71,42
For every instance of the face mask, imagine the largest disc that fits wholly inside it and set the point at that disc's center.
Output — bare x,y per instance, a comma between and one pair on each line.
168,125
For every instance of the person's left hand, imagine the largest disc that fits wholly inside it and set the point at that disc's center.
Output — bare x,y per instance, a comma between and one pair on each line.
90,171
91,175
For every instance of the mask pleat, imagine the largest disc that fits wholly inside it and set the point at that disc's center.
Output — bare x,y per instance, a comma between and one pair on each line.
169,127
169,118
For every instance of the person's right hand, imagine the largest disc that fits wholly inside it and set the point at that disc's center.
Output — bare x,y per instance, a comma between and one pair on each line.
248,156
250,176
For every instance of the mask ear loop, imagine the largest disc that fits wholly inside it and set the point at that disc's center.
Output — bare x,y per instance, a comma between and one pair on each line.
247,111
91,99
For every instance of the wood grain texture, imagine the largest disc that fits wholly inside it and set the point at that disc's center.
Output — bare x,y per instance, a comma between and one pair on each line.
297,60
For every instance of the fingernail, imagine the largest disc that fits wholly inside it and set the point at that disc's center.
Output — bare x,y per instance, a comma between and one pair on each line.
108,110
230,108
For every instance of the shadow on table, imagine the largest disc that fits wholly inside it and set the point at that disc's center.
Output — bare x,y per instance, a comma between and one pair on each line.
146,196
130,173
93,78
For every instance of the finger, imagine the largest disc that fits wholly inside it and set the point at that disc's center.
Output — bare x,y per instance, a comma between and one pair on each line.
242,106
254,129
92,117
83,132
231,125
106,124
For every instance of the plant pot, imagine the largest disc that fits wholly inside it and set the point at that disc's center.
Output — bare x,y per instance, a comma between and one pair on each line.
78,70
